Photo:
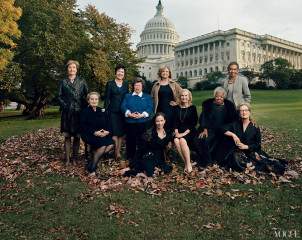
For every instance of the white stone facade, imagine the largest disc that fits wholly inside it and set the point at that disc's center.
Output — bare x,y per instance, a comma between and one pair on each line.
198,56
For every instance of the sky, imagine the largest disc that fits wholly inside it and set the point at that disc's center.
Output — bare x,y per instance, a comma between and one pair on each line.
192,18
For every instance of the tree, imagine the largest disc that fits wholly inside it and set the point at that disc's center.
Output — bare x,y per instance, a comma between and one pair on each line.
110,46
250,75
52,33
9,32
213,77
296,79
279,70
183,82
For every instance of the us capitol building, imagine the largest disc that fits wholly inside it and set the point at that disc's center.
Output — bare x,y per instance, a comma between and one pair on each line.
194,58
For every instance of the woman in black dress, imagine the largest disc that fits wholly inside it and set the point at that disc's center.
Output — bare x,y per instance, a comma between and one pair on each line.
164,94
185,119
151,152
71,97
243,146
115,93
96,130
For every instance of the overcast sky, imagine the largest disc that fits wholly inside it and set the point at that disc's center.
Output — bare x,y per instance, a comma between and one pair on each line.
192,18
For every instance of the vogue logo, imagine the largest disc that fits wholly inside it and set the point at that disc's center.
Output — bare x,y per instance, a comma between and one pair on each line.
287,234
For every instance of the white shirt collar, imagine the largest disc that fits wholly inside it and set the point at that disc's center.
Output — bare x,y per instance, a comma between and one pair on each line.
140,94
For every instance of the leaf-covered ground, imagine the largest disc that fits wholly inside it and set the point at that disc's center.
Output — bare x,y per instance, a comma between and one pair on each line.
40,153
39,199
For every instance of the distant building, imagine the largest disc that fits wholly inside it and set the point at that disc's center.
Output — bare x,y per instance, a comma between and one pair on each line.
157,44
195,57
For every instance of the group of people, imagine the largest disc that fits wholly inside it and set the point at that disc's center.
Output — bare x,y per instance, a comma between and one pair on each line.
225,136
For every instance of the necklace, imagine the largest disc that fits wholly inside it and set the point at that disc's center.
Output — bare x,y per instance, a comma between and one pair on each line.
182,120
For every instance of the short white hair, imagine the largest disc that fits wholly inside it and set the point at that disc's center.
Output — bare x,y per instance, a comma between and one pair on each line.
220,89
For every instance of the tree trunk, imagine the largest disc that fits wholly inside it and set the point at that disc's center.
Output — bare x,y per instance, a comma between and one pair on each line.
2,105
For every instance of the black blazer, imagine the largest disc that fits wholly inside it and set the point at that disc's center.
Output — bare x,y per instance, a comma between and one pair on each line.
114,97
251,136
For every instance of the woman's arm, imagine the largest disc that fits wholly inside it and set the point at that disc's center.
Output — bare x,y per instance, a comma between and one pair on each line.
246,90
60,99
107,95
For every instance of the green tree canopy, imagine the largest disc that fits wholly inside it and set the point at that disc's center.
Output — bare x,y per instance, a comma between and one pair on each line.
52,33
213,77
279,70
183,82
110,46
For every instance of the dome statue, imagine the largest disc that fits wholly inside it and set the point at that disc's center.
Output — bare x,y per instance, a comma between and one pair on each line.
159,36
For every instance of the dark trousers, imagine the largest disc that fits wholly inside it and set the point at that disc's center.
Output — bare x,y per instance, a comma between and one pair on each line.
205,147
134,132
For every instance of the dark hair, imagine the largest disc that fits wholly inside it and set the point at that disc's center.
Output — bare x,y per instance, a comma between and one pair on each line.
233,63
138,80
120,66
151,126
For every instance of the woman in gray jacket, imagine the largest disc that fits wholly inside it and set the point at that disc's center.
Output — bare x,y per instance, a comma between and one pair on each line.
236,86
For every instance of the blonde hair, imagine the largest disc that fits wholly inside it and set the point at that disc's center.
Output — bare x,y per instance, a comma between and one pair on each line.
92,93
73,62
248,107
178,100
161,69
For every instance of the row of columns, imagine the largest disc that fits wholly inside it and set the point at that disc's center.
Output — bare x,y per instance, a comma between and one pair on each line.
270,52
157,49
201,49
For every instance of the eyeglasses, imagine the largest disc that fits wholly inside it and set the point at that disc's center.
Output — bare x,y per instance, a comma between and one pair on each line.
244,110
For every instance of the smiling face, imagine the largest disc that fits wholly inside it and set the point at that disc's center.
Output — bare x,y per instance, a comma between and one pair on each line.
120,73
93,100
72,69
219,98
160,122
233,70
244,112
138,87
165,74
185,97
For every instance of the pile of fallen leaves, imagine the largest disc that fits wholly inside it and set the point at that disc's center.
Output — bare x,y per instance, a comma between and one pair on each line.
40,153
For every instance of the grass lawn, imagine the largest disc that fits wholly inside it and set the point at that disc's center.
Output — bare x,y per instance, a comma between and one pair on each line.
59,204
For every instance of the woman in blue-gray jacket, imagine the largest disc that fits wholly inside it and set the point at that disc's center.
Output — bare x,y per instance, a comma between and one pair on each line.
137,107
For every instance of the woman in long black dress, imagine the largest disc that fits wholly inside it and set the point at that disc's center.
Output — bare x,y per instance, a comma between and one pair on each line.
71,97
115,93
151,152
164,94
96,130
185,119
243,146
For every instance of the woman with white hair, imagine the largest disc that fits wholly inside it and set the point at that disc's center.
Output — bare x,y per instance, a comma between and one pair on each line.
216,112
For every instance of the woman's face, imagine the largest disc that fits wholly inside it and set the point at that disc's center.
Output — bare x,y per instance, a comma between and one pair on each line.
219,98
138,87
165,73
120,73
185,97
72,69
160,122
93,100
233,70
244,112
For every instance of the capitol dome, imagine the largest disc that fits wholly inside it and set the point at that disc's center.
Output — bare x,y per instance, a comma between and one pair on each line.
159,36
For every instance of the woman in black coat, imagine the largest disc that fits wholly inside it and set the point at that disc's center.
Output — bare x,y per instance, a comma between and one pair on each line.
215,113
71,97
96,130
184,122
115,93
243,146
151,152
